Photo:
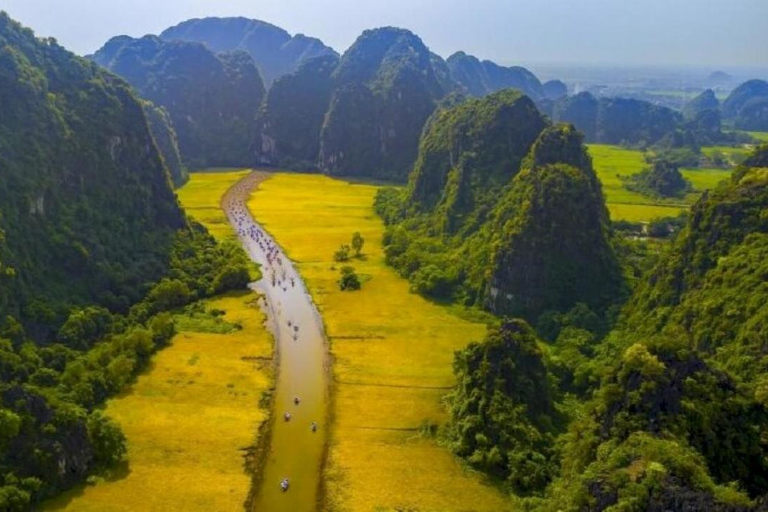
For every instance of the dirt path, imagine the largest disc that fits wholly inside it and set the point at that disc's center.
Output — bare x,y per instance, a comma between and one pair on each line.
294,451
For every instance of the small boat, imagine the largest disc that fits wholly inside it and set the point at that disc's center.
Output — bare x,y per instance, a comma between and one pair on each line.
284,484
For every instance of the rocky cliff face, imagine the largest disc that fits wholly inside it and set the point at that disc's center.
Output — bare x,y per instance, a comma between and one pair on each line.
551,234
292,116
213,100
469,153
274,50
164,133
385,88
88,212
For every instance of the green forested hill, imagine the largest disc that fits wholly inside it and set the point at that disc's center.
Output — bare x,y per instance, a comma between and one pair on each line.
679,418
87,211
481,78
747,106
503,211
94,252
213,100
668,411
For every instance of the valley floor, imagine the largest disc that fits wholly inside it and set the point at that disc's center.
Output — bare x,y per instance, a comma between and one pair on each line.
613,162
191,418
392,352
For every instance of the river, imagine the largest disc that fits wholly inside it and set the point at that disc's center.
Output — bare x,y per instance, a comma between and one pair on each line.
293,450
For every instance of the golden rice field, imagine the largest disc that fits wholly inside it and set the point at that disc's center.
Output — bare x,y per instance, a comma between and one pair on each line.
392,353
202,194
190,418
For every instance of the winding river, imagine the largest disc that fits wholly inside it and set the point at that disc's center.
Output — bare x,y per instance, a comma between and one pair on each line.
293,450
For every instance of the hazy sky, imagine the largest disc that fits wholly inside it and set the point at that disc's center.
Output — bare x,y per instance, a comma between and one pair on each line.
633,32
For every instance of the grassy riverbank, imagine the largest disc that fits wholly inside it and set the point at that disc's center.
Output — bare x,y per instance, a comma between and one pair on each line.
392,355
190,419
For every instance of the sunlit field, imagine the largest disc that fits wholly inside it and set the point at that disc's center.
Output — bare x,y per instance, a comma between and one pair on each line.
613,162
189,421
202,194
762,136
392,353
193,416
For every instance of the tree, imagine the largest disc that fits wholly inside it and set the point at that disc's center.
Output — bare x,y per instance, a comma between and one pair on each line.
342,254
232,277
107,439
357,242
349,279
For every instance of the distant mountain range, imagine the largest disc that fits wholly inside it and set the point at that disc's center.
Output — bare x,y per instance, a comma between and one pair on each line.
243,92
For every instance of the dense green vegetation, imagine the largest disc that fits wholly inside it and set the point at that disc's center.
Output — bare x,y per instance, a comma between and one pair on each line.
88,214
665,412
274,50
95,251
503,415
503,211
662,179
212,99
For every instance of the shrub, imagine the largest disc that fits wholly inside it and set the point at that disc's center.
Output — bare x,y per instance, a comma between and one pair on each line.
349,280
342,254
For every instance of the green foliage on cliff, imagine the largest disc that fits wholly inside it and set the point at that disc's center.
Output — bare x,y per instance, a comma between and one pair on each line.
551,237
503,417
469,153
94,251
212,99
483,223
86,206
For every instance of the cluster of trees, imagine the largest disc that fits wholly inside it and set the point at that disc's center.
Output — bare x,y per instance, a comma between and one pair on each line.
345,250
662,179
349,280
95,253
663,408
